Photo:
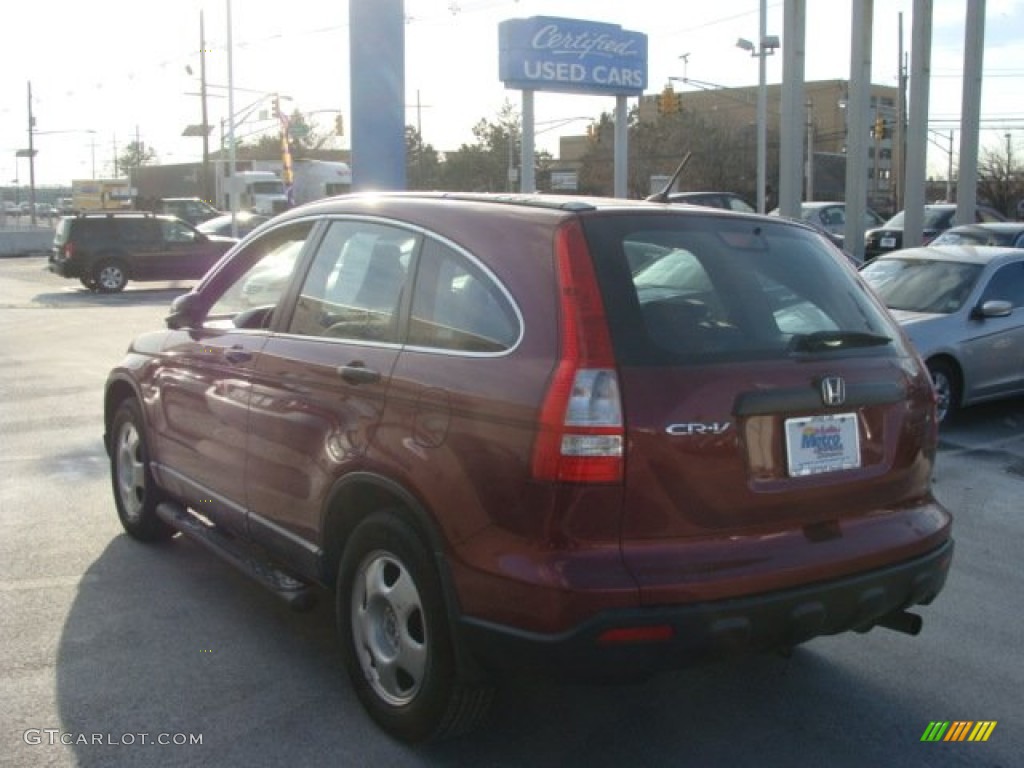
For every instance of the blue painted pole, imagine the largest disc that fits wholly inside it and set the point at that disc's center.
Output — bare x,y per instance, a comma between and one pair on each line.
377,64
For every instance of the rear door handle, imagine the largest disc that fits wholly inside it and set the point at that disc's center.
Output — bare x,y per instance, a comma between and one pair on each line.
237,354
358,373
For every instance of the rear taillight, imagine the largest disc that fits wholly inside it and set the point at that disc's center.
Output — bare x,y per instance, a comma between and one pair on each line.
580,438
68,250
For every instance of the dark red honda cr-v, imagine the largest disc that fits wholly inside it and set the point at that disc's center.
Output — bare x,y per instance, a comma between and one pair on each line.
595,437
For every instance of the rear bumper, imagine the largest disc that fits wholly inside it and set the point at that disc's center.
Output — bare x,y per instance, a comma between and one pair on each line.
704,631
64,268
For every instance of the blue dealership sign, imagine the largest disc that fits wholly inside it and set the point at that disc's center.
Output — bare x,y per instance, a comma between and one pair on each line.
544,53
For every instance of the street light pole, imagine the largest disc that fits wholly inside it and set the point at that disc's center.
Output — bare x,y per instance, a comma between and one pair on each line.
766,47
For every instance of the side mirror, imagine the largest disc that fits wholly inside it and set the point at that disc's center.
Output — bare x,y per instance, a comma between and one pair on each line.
992,308
185,312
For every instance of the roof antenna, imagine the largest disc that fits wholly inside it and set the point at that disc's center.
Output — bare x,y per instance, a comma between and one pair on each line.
662,196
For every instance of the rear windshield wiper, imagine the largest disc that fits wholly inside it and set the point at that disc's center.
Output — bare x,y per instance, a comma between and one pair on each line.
823,341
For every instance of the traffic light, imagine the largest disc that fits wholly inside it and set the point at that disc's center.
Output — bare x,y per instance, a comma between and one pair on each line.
275,105
339,125
878,132
668,101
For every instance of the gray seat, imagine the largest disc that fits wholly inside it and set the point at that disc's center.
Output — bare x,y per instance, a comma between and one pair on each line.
384,278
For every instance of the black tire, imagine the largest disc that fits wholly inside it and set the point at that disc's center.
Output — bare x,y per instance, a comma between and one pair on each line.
110,276
395,636
136,494
948,389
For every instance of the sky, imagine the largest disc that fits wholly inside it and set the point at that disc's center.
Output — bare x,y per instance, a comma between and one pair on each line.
108,72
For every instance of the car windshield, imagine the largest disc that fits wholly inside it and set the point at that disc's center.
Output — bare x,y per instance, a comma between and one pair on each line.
922,285
934,218
268,187
973,237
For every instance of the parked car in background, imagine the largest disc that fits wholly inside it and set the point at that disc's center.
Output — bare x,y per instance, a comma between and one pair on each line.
246,222
591,438
730,201
938,217
963,309
1008,233
191,209
831,216
106,250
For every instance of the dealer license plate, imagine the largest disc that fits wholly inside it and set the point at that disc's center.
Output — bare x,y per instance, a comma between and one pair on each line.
816,444
888,242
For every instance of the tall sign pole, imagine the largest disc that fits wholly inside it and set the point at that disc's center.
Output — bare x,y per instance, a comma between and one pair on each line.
377,67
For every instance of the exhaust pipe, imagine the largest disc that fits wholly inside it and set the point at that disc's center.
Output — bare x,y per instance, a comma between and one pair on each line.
901,621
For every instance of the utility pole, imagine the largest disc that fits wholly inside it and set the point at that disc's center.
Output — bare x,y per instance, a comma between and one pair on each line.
900,133
31,158
232,155
809,193
207,193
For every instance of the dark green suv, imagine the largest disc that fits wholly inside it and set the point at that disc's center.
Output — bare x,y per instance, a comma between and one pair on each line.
106,250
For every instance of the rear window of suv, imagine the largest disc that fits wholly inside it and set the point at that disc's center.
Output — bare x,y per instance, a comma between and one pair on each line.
692,289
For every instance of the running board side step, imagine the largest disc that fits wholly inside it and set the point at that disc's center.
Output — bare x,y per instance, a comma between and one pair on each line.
298,594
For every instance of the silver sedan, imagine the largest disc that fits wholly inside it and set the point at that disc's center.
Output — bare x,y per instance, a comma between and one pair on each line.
963,309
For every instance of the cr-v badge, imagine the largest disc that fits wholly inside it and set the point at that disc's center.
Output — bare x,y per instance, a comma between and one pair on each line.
696,428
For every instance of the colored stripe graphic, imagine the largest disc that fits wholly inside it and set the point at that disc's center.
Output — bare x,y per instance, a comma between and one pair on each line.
982,730
935,731
959,730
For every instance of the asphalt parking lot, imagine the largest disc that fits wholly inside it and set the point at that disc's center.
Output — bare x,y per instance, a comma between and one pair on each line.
113,647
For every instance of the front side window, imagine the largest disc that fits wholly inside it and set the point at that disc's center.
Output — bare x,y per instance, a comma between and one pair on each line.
263,271
1007,284
177,232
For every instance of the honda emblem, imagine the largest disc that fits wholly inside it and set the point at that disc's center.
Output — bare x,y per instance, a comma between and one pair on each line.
833,390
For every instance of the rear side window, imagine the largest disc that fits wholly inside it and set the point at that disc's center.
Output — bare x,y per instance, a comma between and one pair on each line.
92,230
458,306
355,283
138,231
62,232
690,289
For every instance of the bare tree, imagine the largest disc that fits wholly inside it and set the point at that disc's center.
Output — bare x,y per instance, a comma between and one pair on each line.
1001,179
135,154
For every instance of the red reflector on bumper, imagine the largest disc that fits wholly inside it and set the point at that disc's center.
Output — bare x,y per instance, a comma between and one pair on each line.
621,635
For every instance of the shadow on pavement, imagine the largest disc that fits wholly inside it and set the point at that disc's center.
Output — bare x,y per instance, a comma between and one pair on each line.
131,296
165,639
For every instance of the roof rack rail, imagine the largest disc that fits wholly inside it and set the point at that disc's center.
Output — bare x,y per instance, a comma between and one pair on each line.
111,214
